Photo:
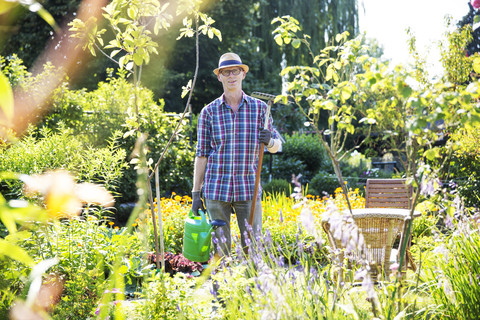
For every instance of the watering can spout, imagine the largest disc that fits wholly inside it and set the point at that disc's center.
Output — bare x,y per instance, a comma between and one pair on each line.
198,235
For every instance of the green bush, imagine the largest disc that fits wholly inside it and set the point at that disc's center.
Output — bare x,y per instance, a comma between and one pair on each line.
288,118
172,298
283,168
466,164
277,186
87,249
323,182
12,66
302,154
61,149
98,114
106,113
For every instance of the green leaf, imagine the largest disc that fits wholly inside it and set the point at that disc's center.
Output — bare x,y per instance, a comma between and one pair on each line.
8,219
7,6
121,61
296,43
431,154
278,39
132,12
350,128
329,74
6,97
476,65
123,269
405,90
114,53
18,236
329,105
346,93
15,252
45,15
138,58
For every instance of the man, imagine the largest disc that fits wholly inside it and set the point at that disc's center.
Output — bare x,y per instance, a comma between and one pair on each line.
229,131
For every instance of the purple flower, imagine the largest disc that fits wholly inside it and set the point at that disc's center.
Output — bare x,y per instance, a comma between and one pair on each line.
394,266
449,223
249,291
223,239
367,283
268,237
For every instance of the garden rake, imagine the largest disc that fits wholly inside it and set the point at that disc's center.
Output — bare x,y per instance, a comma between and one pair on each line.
269,98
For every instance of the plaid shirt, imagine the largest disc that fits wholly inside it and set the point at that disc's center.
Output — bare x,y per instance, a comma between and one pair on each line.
231,143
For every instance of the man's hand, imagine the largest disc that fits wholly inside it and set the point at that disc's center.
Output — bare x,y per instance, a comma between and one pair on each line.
197,202
265,137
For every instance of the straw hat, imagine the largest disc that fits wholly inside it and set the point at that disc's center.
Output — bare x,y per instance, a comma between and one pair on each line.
230,59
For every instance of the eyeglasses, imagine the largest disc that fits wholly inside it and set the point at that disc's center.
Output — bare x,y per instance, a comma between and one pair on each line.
226,73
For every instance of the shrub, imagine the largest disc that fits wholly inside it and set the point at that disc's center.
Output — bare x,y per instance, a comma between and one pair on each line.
301,154
106,113
323,182
277,186
12,66
98,114
283,168
61,149
466,164
87,248
166,297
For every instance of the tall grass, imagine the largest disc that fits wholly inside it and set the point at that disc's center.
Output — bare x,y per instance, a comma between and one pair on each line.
454,272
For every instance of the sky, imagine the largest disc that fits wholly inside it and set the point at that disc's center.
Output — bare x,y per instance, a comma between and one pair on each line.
387,20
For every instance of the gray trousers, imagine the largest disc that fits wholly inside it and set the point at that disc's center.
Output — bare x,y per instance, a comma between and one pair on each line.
223,210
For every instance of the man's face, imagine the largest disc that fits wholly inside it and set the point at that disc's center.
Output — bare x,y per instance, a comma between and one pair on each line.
231,78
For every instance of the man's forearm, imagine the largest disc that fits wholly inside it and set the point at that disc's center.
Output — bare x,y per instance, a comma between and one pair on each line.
199,172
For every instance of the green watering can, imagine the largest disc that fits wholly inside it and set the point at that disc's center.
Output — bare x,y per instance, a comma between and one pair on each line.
198,236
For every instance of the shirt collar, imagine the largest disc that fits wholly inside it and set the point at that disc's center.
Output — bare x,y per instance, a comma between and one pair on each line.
244,98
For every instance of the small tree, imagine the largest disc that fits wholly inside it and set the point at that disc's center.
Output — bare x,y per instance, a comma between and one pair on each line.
346,82
131,21
327,84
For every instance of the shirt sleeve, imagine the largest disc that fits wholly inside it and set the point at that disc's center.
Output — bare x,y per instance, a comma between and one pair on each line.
204,147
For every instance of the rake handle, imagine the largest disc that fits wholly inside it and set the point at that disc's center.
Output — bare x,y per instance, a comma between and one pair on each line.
257,184
259,168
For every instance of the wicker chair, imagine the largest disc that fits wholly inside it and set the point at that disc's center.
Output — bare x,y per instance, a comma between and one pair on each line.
390,193
380,229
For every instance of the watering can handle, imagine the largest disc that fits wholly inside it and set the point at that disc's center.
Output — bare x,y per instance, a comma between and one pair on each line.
200,213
